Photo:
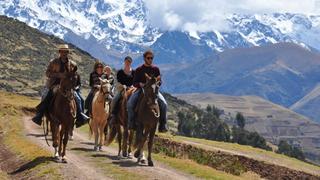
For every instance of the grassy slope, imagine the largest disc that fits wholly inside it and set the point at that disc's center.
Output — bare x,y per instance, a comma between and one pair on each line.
255,153
25,53
12,129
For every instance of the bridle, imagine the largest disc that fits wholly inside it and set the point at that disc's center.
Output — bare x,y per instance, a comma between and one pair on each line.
149,102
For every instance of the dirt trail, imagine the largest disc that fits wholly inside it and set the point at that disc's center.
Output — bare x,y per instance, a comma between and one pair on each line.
84,167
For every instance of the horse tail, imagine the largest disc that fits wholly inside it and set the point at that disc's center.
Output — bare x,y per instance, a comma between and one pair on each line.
112,134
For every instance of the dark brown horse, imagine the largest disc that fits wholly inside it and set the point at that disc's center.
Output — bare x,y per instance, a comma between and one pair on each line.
147,117
62,114
124,135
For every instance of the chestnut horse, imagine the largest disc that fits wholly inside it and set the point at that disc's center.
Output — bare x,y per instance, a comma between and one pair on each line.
100,113
147,117
124,137
62,114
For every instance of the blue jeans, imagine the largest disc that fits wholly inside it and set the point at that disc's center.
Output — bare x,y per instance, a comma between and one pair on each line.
132,102
79,100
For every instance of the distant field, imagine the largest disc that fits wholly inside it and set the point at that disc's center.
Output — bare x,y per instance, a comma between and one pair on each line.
272,121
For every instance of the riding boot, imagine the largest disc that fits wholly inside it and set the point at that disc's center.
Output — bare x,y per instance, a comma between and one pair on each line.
162,125
81,118
42,107
132,124
163,121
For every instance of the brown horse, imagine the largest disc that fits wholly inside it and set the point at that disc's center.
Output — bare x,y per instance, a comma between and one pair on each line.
100,113
124,137
147,117
62,114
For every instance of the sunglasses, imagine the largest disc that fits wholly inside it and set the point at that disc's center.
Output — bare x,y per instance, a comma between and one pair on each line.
149,58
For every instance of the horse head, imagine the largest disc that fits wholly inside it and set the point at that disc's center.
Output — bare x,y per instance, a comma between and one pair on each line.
105,87
151,91
68,82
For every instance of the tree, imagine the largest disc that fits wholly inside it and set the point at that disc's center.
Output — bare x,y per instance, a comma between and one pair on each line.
240,120
186,124
285,148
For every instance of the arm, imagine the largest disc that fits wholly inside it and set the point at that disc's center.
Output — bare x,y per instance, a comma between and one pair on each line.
91,81
137,78
157,73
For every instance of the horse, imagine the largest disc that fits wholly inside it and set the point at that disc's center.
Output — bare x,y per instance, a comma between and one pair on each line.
124,137
62,114
147,117
100,113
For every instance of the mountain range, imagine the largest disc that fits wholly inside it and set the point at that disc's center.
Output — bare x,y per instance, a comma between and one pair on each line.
110,30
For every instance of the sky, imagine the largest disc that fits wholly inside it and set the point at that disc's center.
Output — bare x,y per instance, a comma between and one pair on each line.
206,15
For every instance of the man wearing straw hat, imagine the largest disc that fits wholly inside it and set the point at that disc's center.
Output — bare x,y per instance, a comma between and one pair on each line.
56,71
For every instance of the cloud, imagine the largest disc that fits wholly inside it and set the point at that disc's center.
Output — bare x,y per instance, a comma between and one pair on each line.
208,15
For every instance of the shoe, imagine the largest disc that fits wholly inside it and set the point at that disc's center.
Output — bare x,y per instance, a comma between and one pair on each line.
162,129
132,125
37,119
83,119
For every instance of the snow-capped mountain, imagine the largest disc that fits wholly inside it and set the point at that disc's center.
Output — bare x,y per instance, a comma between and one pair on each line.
107,29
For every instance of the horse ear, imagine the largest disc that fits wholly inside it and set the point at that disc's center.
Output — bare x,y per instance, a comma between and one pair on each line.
147,76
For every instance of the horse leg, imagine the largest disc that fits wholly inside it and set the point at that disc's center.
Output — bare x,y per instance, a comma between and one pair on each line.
131,133
125,142
102,135
119,138
65,142
71,133
150,144
60,139
140,147
55,138
96,136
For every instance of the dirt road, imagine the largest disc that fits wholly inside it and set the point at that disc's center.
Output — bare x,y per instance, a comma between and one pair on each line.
84,163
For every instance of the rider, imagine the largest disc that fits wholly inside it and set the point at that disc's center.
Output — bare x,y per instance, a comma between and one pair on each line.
108,75
139,81
125,79
55,71
79,100
94,82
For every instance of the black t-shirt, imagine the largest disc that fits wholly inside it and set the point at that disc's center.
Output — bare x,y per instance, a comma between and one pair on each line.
124,78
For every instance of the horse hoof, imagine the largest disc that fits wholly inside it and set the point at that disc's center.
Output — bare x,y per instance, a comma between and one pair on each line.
143,161
100,149
95,148
64,160
124,154
136,154
56,159
150,163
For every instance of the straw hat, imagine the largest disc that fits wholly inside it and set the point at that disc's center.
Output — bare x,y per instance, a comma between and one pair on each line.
63,47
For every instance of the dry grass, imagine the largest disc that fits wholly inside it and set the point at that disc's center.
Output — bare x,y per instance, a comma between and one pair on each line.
11,112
